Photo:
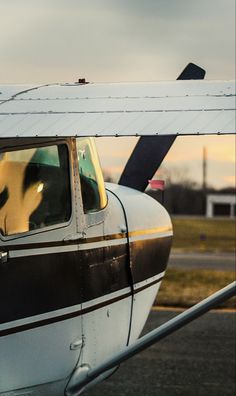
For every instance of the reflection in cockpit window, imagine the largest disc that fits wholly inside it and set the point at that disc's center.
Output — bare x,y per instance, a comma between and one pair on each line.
91,179
34,189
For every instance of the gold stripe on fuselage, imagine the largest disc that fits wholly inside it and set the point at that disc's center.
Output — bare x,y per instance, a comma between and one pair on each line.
150,231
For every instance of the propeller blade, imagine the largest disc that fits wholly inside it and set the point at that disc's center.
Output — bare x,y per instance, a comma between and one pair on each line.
192,72
150,151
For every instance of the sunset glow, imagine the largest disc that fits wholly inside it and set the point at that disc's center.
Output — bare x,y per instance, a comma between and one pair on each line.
101,40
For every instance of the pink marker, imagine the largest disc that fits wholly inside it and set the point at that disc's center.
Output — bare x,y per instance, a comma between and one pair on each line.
157,184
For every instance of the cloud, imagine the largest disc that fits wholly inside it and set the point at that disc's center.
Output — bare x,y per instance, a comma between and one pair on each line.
122,40
183,160
230,180
115,152
191,148
114,40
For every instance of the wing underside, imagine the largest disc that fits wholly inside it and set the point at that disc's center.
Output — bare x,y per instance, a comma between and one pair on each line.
119,109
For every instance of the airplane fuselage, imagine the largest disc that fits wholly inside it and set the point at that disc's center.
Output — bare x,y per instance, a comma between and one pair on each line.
72,292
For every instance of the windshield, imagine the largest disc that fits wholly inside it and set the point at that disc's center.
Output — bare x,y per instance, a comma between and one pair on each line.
91,178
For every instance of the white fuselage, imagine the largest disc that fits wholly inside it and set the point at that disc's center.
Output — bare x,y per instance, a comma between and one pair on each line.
69,301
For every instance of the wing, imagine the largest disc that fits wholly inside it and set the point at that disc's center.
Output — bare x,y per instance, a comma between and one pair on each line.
122,109
8,92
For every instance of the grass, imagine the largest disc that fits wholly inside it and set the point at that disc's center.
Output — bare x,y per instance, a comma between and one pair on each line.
181,288
204,234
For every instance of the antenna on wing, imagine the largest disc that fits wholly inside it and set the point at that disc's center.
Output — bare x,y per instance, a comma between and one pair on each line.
150,151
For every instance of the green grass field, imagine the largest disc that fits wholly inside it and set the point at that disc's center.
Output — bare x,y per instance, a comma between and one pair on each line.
181,288
204,234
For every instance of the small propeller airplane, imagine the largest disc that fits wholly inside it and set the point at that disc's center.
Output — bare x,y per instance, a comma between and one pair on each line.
81,262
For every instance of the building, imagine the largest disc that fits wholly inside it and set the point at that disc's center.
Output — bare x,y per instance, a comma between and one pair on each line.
221,205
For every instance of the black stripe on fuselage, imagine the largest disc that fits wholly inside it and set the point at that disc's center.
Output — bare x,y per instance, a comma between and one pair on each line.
149,256
38,284
71,315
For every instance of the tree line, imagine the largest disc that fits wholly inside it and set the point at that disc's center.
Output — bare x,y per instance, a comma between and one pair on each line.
182,199
182,196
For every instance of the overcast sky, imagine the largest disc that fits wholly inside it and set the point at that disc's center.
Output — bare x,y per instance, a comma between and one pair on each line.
124,40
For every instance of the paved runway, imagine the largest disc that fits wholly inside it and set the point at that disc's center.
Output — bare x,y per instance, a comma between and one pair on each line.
198,360
202,260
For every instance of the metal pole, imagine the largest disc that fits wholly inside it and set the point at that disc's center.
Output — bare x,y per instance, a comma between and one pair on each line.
204,179
154,336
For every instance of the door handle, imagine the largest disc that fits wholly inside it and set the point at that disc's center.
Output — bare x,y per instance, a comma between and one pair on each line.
3,257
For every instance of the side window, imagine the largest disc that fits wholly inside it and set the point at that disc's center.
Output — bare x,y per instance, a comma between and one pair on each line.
91,178
34,189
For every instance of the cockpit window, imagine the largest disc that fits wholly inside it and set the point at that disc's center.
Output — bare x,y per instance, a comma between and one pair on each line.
91,178
34,189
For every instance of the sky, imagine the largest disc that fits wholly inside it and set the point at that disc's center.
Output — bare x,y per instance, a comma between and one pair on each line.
51,41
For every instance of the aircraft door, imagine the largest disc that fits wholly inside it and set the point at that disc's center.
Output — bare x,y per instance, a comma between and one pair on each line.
40,293
107,300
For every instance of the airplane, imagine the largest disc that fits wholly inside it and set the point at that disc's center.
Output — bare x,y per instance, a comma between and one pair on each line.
81,261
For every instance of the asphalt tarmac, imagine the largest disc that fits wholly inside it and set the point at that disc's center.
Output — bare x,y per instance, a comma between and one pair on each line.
198,360
221,261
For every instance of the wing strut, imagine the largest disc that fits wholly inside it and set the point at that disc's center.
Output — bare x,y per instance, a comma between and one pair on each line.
83,375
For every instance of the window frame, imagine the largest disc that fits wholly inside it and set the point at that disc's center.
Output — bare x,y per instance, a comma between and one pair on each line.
35,144
96,216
